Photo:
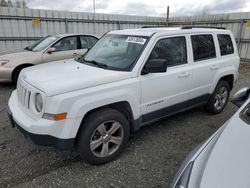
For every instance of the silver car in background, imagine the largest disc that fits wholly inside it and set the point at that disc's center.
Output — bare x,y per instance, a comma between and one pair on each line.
50,48
222,161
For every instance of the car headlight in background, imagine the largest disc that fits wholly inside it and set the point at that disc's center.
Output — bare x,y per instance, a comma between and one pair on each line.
3,62
184,178
38,102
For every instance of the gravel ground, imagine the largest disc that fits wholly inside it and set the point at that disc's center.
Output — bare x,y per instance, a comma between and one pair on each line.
151,159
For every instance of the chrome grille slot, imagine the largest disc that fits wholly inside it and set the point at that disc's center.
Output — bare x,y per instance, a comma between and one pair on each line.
23,95
28,99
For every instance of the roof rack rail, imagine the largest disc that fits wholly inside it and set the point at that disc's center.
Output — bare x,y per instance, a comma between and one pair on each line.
208,27
153,26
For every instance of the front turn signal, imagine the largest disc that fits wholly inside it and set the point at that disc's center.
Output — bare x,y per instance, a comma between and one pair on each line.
55,117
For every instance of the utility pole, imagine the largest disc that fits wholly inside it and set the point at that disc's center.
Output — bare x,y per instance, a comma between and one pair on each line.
167,20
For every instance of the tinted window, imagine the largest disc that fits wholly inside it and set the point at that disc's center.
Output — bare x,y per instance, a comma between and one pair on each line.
92,41
87,41
173,50
226,45
203,47
69,43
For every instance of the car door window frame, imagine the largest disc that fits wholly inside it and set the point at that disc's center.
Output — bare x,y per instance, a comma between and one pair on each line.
215,42
89,36
232,45
166,37
77,43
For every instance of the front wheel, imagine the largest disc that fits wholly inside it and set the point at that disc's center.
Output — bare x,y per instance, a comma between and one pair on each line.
219,98
103,136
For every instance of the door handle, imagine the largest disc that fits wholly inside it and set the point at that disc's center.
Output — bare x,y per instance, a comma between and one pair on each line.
184,74
75,54
214,67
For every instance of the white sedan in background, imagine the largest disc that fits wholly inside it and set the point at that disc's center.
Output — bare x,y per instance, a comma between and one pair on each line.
222,161
50,48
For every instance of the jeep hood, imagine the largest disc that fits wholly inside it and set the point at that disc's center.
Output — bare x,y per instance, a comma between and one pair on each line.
64,76
228,163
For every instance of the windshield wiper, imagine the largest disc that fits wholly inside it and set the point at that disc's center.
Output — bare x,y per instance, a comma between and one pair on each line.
101,65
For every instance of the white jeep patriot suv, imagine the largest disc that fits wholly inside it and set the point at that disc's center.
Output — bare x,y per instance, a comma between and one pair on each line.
130,78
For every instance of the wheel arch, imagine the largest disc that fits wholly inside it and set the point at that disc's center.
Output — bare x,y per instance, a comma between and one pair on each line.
228,77
20,67
123,107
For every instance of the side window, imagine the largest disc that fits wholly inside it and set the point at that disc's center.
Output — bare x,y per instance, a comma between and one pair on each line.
68,43
87,41
226,45
203,47
173,50
92,41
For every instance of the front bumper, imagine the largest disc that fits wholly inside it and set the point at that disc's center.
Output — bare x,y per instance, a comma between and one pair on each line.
37,131
5,74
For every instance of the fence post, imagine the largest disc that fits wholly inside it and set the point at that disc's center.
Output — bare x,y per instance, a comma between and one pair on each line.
119,25
240,34
66,25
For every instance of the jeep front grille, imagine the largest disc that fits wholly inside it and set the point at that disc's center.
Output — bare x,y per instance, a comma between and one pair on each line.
23,95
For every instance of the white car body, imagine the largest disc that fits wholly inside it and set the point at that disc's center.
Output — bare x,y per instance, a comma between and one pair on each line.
24,58
222,160
78,89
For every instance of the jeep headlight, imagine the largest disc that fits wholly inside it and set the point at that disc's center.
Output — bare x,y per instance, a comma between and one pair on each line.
3,62
38,102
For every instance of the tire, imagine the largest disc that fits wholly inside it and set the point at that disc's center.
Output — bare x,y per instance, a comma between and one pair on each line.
17,72
96,141
219,98
15,75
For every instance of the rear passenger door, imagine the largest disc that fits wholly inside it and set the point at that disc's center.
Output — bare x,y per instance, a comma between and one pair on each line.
205,62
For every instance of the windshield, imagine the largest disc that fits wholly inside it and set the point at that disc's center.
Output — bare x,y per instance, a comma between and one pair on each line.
42,43
117,52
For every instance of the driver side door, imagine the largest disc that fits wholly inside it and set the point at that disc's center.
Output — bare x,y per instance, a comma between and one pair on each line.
66,48
161,92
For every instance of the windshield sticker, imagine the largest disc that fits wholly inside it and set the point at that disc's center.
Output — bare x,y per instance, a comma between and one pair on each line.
136,40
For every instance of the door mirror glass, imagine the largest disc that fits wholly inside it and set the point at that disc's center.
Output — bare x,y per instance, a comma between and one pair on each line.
155,66
51,50
241,96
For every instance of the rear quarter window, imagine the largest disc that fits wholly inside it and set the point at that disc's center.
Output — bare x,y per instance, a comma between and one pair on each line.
226,45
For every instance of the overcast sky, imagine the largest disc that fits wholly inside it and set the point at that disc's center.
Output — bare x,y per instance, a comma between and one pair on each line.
145,7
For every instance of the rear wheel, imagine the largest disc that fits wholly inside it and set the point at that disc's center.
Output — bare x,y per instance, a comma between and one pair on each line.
219,98
103,136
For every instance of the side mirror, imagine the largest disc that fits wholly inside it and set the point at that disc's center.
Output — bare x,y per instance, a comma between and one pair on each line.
155,66
51,50
241,96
